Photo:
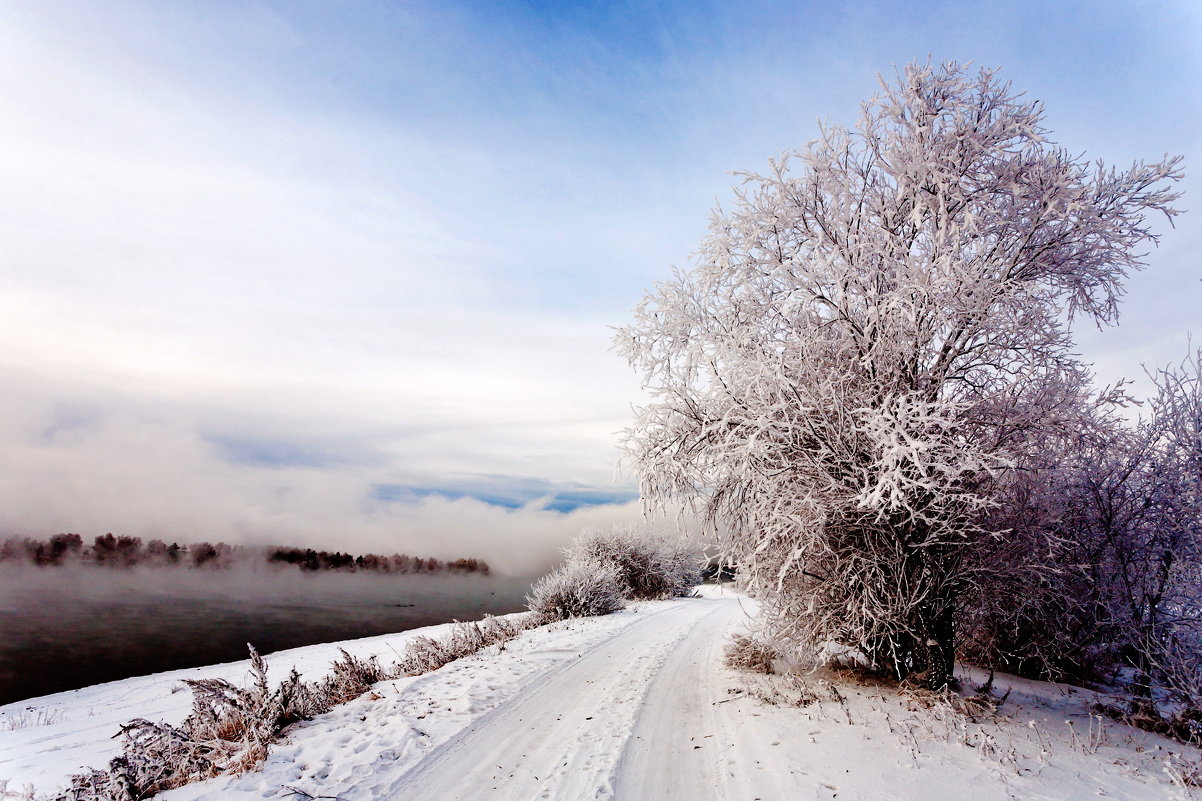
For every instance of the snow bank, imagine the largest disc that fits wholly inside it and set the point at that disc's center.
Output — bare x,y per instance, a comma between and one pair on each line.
84,721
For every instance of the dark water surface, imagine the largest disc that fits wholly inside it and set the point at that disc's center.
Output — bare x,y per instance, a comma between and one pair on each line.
65,628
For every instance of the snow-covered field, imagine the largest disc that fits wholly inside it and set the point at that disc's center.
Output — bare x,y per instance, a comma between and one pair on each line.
635,706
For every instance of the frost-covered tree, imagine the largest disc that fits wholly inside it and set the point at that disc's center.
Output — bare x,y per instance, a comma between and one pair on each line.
1146,527
865,344
1101,561
1173,628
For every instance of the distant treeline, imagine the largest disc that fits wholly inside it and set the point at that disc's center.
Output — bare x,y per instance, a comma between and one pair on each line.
108,550
308,559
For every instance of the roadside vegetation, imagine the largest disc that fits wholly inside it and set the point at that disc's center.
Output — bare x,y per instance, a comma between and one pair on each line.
604,569
231,728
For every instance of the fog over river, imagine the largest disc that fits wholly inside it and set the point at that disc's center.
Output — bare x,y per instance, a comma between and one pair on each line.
65,628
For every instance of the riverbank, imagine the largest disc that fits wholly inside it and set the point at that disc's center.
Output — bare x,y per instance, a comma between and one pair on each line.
635,705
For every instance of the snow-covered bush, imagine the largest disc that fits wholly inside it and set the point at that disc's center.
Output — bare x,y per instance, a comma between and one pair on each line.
867,345
577,588
750,653
1116,507
1169,548
1032,607
602,569
650,564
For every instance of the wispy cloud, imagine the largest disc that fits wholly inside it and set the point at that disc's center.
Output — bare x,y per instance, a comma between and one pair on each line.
510,492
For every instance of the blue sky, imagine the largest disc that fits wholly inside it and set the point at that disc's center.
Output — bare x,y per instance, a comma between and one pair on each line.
262,260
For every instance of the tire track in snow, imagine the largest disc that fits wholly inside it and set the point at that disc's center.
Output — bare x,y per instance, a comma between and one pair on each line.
682,745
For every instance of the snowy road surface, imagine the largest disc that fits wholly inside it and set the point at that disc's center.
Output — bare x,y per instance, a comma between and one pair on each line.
634,706
569,736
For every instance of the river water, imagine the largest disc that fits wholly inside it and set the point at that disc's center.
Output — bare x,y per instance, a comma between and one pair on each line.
65,628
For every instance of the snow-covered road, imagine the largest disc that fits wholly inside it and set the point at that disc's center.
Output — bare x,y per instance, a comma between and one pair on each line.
570,736
686,722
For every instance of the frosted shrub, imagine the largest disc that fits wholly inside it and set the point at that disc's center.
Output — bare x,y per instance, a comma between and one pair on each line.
349,678
579,588
751,654
603,568
1117,506
650,564
228,732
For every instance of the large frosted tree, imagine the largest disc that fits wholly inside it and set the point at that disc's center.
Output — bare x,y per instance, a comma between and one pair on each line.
869,340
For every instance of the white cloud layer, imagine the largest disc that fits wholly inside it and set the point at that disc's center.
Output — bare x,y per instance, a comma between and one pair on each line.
256,264
107,466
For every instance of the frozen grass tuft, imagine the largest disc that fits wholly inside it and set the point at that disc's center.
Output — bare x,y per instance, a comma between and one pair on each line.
30,718
1184,725
349,678
424,654
25,794
228,731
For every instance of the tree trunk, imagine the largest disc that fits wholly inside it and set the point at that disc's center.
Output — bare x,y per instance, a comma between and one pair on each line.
940,647
933,656
926,655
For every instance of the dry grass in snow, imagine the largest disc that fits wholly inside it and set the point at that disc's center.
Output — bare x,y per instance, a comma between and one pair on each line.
854,738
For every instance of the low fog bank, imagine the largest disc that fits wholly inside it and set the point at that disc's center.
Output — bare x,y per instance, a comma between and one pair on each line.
146,463
515,542
72,626
249,584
